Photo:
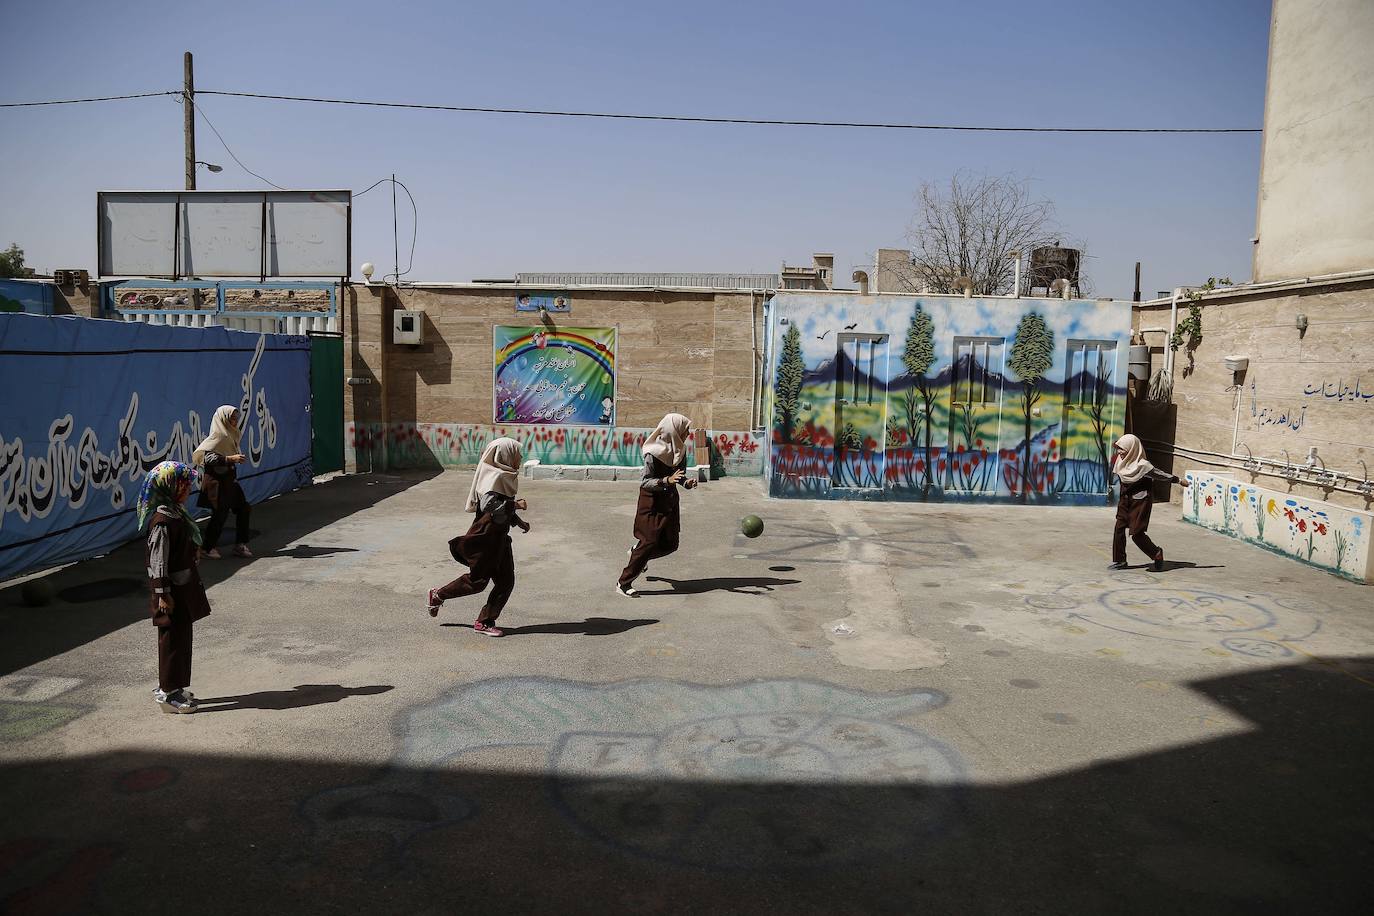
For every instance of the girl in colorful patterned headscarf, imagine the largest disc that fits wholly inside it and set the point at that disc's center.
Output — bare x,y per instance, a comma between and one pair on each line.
177,596
169,484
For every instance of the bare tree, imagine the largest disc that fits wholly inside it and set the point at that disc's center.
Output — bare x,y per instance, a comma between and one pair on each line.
969,229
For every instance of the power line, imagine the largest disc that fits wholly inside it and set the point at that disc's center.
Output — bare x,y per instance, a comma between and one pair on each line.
104,98
207,120
760,121
871,125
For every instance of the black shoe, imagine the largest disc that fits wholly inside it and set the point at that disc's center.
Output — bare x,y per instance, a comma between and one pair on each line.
1158,564
1118,565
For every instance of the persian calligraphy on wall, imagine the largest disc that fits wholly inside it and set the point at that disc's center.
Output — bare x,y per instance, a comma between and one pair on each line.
554,376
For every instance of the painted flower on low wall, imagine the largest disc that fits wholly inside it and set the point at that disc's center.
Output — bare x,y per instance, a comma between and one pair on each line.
1323,534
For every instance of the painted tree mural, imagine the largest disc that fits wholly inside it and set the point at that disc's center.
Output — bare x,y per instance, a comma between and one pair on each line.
1032,355
787,388
917,356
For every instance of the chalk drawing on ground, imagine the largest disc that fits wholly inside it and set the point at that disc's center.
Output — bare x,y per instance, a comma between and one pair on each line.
764,774
34,688
23,720
1166,624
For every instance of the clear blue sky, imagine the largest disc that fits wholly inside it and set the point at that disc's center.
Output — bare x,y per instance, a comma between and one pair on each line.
500,193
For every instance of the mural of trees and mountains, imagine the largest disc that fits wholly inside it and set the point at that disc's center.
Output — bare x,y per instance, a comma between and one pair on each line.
945,398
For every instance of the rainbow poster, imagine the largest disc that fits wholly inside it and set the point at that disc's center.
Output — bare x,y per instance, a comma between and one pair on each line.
554,375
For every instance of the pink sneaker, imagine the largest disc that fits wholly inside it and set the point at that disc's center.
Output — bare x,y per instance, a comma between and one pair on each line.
486,629
435,602
212,554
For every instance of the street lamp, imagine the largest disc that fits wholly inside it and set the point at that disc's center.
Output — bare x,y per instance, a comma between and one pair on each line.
210,166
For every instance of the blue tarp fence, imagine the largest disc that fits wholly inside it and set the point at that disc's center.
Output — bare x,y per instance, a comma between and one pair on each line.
87,407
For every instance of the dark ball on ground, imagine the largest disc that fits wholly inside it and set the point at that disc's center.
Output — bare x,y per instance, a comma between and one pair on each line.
37,592
751,526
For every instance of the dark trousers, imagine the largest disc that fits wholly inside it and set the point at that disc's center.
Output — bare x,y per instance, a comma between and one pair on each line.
221,515
1141,539
502,581
174,654
644,551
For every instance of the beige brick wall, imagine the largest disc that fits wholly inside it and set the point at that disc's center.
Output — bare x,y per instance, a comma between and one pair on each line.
685,351
1285,378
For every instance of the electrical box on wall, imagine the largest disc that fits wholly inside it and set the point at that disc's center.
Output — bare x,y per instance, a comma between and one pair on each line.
407,326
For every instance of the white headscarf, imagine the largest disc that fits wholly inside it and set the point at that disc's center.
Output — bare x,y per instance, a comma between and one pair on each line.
223,438
498,470
668,441
1131,465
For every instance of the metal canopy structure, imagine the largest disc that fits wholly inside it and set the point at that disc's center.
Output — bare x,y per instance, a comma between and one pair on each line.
262,234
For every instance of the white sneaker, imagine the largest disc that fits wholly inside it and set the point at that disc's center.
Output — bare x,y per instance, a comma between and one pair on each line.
212,554
627,591
176,702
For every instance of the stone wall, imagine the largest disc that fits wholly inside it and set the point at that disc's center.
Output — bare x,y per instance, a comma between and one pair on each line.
1300,390
689,351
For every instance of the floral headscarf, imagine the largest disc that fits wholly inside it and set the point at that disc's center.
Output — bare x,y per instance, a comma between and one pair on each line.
160,489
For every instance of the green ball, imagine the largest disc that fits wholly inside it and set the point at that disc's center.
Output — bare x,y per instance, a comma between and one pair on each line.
751,526
37,592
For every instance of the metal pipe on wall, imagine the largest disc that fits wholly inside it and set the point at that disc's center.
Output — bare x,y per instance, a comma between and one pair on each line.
1366,490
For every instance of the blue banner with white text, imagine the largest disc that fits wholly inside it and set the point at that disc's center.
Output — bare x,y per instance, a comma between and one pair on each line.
87,407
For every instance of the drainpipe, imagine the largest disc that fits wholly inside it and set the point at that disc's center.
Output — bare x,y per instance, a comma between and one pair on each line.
1016,283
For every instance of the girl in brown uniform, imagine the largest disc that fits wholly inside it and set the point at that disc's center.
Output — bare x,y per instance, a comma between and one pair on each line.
658,520
178,596
1137,477
220,491
486,548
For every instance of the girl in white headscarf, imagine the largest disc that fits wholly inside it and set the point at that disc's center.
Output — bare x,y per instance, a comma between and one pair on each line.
658,519
486,548
1137,477
220,492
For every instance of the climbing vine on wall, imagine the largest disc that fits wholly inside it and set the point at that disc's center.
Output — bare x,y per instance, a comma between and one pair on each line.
1189,330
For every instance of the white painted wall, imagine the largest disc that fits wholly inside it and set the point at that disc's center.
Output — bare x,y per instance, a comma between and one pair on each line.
1316,195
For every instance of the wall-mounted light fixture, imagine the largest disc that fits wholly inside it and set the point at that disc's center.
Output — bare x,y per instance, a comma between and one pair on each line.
367,270
1237,365
1301,324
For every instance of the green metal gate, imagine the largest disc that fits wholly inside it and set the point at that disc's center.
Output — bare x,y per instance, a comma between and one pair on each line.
326,402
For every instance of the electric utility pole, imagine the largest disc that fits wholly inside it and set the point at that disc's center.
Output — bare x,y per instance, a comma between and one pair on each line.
188,110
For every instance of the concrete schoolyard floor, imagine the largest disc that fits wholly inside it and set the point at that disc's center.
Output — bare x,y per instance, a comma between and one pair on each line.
871,708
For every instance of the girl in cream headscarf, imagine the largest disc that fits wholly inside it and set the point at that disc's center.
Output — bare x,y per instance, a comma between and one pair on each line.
658,520
1137,478
220,492
486,548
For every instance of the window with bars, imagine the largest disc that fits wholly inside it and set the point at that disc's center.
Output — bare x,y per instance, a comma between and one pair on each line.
977,370
1087,372
855,373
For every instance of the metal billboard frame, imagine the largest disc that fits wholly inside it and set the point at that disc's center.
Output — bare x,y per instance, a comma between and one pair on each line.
178,198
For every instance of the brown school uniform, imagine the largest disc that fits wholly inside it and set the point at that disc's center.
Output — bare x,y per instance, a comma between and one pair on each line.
486,551
1133,513
221,493
170,553
658,518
